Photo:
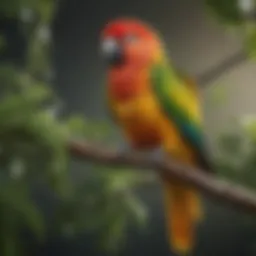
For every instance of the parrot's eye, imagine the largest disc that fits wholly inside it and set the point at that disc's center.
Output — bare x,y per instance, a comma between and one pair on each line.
130,38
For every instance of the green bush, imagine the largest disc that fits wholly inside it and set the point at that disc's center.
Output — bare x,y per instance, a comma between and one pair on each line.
33,150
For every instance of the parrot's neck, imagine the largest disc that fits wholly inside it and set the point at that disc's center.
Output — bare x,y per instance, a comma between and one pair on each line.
127,82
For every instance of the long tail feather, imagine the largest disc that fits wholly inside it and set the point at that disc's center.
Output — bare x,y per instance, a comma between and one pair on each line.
183,211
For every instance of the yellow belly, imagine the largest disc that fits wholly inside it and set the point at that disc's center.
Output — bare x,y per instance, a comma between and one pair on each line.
141,120
145,126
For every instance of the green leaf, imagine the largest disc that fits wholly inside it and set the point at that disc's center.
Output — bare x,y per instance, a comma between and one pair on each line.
125,179
250,39
226,11
249,126
137,209
9,8
15,196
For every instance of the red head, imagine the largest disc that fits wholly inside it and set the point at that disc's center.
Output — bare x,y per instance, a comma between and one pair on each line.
129,41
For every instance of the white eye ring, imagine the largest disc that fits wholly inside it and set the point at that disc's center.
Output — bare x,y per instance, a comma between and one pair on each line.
109,45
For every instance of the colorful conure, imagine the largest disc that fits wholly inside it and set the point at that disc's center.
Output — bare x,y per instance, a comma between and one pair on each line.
156,107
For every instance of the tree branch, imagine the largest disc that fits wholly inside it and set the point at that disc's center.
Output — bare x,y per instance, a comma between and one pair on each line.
214,73
235,195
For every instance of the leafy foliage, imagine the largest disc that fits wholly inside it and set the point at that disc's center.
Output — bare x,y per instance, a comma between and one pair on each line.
236,152
236,160
229,13
237,148
226,11
33,143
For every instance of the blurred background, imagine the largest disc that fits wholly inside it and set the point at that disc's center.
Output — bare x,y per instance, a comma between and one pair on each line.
52,89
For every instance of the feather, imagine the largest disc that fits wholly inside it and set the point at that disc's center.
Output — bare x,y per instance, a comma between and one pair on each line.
180,104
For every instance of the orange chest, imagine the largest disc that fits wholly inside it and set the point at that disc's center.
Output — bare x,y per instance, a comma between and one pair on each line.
141,120
135,107
127,83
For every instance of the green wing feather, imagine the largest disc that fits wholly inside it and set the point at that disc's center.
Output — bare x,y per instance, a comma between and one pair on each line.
166,87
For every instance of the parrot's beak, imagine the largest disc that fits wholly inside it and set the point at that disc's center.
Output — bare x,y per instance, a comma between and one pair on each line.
112,52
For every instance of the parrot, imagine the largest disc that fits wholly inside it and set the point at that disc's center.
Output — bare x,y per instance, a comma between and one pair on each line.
156,106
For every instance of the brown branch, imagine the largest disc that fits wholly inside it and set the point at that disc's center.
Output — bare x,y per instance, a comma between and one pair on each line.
214,73
221,190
